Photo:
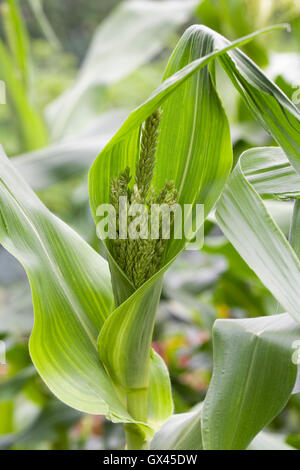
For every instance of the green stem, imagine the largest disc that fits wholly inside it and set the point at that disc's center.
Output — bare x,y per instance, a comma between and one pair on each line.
137,407
135,438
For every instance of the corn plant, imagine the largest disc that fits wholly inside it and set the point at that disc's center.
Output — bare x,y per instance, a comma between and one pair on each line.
94,317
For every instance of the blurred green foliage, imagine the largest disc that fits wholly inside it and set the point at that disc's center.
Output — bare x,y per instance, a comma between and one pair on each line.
74,30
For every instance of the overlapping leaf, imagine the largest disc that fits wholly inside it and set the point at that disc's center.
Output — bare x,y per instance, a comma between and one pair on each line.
180,432
71,295
247,224
72,299
183,432
253,378
277,114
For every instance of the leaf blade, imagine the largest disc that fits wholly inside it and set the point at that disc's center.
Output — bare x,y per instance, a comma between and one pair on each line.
252,381
241,211
71,295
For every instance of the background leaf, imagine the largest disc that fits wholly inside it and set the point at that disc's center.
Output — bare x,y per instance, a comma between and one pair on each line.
134,33
275,112
71,156
51,421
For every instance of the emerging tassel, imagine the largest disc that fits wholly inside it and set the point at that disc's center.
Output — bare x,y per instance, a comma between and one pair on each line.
141,258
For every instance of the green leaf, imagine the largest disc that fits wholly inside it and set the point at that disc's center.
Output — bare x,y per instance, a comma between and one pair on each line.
253,378
277,114
70,282
160,405
269,441
125,339
71,297
294,241
269,171
17,38
183,432
180,432
31,126
246,222
234,18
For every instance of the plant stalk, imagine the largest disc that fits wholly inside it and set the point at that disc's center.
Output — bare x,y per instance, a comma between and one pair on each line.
135,438
137,407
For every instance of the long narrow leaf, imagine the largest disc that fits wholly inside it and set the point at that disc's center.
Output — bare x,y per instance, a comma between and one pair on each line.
30,123
72,299
17,38
246,222
71,296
